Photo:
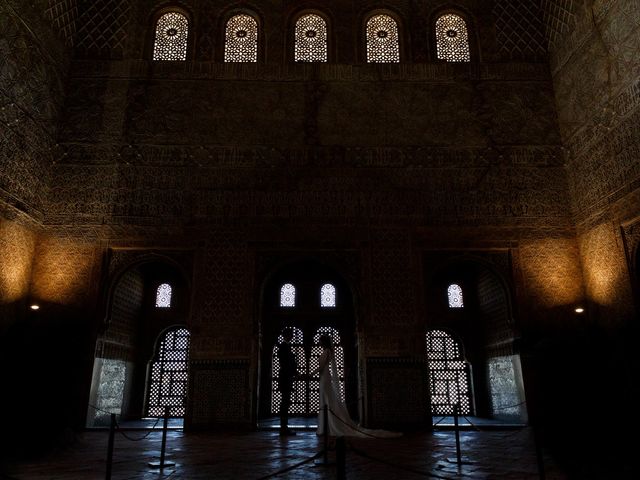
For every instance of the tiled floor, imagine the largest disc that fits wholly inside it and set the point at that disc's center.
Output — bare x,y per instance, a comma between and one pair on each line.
487,454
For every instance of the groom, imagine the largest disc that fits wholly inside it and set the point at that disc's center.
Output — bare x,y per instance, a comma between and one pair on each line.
288,372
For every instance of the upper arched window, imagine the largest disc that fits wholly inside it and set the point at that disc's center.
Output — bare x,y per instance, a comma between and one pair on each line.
328,295
452,38
383,44
310,38
241,39
163,296
172,32
454,292
288,295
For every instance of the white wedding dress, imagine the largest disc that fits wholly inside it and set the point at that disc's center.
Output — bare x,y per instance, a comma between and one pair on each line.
339,420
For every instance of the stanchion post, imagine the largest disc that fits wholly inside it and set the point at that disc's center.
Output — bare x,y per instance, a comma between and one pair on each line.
112,433
457,431
162,463
341,459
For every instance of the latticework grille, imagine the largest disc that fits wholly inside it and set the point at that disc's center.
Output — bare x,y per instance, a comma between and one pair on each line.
383,44
241,39
288,295
299,393
316,351
172,31
449,379
452,39
163,296
328,296
169,375
454,295
311,39
305,398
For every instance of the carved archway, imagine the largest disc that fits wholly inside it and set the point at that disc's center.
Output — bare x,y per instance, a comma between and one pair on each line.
309,314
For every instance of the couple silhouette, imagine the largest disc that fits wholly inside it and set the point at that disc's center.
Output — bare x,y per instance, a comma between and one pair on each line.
339,422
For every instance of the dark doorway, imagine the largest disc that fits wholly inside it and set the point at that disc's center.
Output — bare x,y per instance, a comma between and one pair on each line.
144,335
313,299
472,339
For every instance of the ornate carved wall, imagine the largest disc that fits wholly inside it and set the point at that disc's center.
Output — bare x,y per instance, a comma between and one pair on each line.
383,161
33,68
598,116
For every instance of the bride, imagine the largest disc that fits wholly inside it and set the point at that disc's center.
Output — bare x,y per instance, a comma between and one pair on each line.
339,420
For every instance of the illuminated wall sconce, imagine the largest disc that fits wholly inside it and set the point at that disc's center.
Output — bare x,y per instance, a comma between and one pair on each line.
35,306
579,310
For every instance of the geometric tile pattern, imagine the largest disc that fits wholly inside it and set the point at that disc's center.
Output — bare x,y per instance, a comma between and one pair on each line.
558,17
219,392
519,30
103,26
397,393
64,16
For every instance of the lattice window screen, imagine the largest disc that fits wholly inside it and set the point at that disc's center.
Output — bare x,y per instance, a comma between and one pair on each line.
299,393
311,39
172,32
287,295
241,39
316,351
383,44
169,375
454,294
452,38
163,296
328,296
449,379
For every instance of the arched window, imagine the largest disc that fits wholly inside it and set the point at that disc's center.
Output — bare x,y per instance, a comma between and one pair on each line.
328,295
241,39
454,292
449,379
299,393
383,44
172,32
163,296
452,38
288,295
169,375
310,38
316,351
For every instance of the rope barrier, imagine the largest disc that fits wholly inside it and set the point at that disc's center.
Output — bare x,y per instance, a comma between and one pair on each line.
100,410
395,465
293,467
510,406
152,430
121,431
439,421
